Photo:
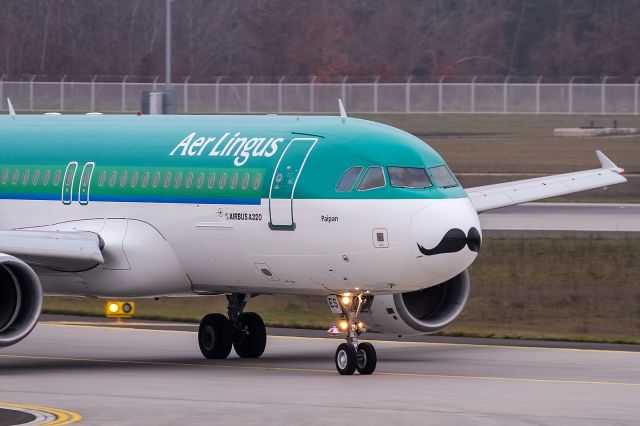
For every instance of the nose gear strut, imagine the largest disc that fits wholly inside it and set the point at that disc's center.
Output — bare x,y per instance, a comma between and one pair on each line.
352,355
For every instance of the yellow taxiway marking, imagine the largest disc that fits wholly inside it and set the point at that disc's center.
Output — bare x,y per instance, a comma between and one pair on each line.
115,326
324,371
62,417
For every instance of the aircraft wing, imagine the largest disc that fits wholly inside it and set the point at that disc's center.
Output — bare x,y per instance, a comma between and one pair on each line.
521,191
56,250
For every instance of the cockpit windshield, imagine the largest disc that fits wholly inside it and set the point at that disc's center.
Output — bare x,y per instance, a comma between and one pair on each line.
408,177
443,177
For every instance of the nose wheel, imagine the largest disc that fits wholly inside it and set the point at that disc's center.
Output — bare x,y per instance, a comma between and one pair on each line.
352,355
349,359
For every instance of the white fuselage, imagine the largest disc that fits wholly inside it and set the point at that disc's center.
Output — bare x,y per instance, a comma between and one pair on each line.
162,249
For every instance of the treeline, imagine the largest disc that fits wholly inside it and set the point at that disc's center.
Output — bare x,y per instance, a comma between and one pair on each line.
326,38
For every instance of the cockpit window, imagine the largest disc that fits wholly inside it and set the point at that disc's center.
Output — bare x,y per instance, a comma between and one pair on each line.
408,177
374,178
443,177
348,179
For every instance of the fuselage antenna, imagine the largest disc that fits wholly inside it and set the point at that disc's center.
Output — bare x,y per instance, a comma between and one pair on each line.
343,113
12,112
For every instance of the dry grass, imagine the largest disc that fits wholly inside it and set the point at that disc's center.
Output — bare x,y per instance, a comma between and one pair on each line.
578,289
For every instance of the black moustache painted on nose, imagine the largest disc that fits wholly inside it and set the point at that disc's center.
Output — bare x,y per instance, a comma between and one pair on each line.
455,240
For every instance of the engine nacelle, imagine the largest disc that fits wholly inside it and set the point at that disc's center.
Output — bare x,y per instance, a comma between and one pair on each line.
20,300
419,312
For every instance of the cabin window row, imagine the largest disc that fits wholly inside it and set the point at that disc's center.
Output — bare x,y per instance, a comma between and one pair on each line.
178,180
26,177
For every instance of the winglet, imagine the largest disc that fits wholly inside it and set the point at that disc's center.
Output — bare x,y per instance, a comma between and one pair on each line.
608,164
12,112
343,113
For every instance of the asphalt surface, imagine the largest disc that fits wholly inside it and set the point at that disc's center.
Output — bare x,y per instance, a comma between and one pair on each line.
582,217
152,373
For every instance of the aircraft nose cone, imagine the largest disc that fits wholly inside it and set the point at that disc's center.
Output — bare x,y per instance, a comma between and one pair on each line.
447,226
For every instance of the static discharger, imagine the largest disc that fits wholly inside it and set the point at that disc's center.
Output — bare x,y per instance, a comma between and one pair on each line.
117,309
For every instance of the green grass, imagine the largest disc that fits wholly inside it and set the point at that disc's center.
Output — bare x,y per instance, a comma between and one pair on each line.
553,289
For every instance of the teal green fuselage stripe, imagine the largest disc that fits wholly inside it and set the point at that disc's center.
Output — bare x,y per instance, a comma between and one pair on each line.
184,159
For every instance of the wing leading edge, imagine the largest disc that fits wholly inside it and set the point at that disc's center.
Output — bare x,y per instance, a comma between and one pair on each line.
490,197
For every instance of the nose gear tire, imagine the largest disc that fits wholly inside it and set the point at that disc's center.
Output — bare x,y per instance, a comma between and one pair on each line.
366,358
251,340
215,336
346,359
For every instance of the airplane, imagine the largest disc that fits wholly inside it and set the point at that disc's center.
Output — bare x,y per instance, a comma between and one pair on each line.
139,206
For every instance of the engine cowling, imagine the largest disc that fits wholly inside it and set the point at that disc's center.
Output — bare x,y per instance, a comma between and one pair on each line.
419,312
20,300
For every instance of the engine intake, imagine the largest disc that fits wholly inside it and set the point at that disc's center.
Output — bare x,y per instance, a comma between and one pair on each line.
423,311
20,300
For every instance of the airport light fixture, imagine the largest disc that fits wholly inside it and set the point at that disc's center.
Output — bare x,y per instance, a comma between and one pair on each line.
119,309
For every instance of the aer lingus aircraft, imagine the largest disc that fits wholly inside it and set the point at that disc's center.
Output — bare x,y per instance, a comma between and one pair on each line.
149,206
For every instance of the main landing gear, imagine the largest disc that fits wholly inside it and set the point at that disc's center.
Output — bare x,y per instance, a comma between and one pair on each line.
352,355
245,331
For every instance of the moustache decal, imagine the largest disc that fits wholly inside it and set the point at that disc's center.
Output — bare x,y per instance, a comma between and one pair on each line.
455,240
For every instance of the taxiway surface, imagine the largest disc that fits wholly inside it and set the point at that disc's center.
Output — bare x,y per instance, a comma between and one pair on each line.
154,374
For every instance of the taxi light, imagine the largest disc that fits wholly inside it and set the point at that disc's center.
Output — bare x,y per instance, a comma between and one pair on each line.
343,325
118,309
346,300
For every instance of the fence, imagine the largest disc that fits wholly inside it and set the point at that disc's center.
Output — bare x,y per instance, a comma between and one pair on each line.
311,97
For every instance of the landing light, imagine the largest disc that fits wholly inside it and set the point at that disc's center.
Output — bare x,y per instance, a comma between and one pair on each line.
343,325
118,309
346,300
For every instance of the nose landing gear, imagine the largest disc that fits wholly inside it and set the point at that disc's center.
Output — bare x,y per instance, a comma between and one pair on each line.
244,331
352,355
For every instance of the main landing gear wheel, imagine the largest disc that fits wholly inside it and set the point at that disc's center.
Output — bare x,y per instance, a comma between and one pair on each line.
251,337
366,358
215,336
346,362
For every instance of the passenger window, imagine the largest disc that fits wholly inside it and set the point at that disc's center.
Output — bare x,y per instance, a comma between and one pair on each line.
212,180
123,179
374,178
36,177
167,179
189,180
408,177
156,179
112,179
256,181
178,179
348,179
46,177
145,179
443,177
5,176
200,180
25,177
86,174
234,181
56,177
134,179
102,178
245,181
16,176
69,175
223,180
